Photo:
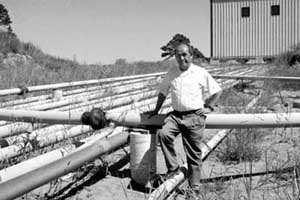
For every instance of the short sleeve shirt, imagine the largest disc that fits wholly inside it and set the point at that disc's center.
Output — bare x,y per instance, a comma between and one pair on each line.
189,88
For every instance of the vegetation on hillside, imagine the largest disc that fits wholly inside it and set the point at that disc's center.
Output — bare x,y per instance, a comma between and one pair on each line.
37,67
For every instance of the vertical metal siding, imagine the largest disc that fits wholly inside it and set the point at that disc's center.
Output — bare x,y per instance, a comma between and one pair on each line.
258,35
288,23
243,33
283,22
227,29
298,21
280,30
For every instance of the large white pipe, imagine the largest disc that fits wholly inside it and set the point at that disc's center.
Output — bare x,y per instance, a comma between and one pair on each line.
52,117
47,139
257,78
214,121
37,140
32,135
31,164
73,84
25,101
15,128
228,69
31,180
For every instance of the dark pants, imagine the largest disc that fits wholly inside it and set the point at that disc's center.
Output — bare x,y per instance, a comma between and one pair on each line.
191,126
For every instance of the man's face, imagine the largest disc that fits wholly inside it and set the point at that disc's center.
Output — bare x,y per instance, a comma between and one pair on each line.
183,57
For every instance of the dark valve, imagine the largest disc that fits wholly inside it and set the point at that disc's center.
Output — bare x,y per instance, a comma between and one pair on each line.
95,118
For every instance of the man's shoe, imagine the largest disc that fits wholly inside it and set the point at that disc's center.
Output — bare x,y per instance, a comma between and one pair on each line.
193,194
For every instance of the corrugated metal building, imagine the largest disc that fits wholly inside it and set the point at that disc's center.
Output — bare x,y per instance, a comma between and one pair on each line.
253,28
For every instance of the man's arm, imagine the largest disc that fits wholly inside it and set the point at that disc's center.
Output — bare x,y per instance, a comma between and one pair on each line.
211,101
160,100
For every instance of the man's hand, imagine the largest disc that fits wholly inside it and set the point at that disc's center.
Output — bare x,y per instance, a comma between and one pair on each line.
151,113
203,111
206,110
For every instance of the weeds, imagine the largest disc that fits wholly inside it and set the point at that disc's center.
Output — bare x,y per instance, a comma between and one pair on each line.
289,58
240,146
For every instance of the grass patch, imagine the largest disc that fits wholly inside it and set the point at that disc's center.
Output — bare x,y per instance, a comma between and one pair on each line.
240,146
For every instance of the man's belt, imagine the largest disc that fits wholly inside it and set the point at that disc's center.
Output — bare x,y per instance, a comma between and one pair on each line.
197,111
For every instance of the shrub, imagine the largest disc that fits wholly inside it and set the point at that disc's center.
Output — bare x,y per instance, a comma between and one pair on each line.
241,145
289,58
9,43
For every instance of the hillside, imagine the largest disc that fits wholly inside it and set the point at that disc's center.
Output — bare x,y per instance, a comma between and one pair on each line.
25,64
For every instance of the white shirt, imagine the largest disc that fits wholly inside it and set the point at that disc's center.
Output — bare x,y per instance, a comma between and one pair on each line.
188,88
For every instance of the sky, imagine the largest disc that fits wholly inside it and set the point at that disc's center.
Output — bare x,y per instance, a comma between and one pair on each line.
101,31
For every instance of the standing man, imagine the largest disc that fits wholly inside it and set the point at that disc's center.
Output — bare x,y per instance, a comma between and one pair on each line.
193,93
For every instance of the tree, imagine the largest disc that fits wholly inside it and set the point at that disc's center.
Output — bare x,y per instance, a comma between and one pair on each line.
121,61
4,17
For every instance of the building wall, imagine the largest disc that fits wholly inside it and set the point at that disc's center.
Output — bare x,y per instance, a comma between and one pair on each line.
260,34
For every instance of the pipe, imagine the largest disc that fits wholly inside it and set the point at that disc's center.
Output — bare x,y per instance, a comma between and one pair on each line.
215,121
22,184
135,119
256,78
15,128
39,140
51,117
73,84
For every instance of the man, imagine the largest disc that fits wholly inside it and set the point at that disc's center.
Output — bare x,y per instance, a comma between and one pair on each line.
190,86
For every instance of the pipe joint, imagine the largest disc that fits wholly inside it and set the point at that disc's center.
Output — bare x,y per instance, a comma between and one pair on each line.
95,118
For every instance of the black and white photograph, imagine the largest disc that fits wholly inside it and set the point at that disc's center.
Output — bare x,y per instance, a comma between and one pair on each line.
150,100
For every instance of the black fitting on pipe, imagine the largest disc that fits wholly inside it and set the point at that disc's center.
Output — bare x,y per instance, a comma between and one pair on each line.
24,90
3,143
95,118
